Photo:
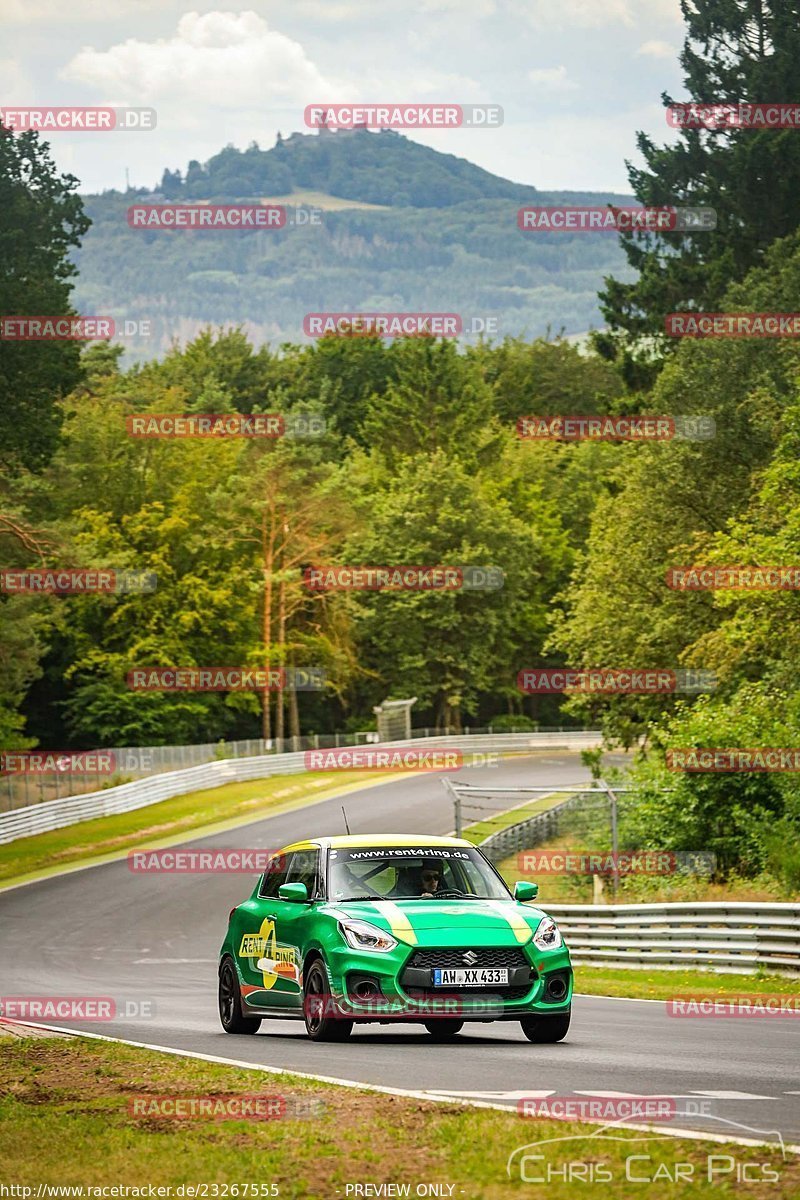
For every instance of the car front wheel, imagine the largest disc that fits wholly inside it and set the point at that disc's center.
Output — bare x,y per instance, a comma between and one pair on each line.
230,1003
322,1023
546,1029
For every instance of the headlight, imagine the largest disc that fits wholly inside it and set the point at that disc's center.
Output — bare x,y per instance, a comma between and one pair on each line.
363,936
548,935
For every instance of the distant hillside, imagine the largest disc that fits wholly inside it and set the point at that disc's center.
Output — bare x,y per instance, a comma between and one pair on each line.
378,168
433,254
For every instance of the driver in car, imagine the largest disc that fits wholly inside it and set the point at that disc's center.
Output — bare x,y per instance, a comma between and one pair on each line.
423,881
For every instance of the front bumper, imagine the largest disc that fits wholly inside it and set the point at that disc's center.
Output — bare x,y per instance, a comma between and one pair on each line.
401,984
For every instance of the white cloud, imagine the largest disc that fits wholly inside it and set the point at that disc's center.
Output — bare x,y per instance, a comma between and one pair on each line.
552,79
656,49
217,59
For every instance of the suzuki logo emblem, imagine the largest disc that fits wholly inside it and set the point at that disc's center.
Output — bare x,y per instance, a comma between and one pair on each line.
470,958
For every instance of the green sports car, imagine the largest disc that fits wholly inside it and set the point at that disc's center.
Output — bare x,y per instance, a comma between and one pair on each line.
384,928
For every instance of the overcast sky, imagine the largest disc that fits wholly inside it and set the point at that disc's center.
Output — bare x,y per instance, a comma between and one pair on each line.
576,78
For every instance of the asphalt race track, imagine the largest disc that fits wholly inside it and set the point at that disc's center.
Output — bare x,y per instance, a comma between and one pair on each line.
107,932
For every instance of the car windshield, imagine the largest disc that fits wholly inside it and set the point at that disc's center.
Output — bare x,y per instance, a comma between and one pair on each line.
406,873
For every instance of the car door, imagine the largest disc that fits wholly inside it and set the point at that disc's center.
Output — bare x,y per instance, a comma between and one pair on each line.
257,937
284,931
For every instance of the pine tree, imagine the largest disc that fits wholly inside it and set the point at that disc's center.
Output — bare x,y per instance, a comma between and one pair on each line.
735,51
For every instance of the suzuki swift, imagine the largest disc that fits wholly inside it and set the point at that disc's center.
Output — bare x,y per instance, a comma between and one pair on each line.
345,930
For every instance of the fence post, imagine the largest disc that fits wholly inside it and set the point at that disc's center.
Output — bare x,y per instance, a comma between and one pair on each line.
456,805
614,838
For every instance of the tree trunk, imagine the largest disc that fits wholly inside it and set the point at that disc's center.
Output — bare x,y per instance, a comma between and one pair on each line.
294,712
279,696
267,548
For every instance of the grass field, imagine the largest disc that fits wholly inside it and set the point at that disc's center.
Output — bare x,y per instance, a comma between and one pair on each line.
70,1115
644,984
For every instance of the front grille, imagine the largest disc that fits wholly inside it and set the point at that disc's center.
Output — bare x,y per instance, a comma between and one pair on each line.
488,956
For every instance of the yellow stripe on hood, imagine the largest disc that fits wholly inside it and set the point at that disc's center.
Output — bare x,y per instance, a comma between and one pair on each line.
397,919
509,910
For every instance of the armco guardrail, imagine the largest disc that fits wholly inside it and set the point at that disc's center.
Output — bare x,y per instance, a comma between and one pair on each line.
55,814
137,762
740,936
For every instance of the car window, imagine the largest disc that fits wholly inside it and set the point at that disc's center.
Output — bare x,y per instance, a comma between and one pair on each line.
274,875
304,868
403,873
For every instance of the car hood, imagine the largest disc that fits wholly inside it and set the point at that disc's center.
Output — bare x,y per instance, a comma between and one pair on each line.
447,922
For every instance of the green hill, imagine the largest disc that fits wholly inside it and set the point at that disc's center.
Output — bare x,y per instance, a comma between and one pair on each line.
378,168
443,239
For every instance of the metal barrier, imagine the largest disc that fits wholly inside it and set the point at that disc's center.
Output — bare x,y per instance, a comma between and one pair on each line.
743,936
55,814
526,834
740,936
138,762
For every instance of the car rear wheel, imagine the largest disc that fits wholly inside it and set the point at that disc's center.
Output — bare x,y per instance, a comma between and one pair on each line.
546,1029
230,1003
322,1025
442,1030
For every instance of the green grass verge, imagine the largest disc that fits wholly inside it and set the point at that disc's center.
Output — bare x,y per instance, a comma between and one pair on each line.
170,821
640,888
68,1117
644,984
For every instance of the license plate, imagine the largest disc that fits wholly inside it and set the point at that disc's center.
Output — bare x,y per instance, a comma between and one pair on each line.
469,977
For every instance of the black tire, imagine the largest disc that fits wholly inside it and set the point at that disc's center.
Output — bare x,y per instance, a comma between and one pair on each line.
230,1002
321,1026
546,1030
443,1029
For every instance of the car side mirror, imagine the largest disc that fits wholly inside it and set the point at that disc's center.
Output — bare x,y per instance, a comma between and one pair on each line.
296,892
525,891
